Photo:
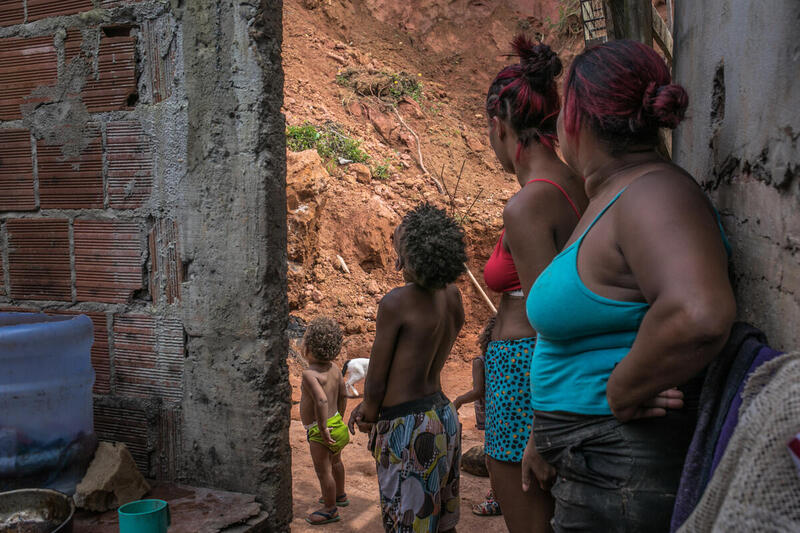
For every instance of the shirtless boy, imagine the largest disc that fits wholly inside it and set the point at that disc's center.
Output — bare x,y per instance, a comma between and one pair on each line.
322,404
415,436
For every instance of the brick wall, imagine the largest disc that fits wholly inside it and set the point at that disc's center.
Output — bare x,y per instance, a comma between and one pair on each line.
142,182
82,227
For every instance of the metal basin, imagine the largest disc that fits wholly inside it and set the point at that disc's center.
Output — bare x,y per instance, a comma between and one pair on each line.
35,511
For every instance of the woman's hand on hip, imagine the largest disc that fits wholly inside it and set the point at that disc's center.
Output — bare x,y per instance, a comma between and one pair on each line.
652,408
534,466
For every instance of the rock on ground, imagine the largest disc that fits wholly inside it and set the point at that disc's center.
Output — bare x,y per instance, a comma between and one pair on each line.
111,480
474,461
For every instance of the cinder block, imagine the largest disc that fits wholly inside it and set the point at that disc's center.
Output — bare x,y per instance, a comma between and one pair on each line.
100,356
16,171
159,58
25,63
124,424
113,86
41,9
148,357
166,268
11,12
38,257
130,165
108,260
73,183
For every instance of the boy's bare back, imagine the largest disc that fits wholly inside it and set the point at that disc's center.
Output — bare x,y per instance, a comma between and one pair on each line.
416,328
317,384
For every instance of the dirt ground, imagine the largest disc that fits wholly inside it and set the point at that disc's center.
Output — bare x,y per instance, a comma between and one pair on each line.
363,513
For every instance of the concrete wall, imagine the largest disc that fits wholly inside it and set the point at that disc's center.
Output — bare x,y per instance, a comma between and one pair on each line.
740,62
142,183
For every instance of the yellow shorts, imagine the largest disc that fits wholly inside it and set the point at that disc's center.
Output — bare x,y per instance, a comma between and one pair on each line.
338,431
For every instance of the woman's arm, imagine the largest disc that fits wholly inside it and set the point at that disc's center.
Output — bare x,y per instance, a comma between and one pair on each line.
478,385
672,244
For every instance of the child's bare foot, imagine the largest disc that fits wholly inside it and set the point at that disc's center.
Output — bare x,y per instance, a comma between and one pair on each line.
323,516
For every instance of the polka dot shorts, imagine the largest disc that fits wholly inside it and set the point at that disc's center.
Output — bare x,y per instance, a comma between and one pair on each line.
509,413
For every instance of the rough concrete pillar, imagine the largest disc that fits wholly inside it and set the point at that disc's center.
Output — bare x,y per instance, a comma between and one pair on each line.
739,61
632,19
237,406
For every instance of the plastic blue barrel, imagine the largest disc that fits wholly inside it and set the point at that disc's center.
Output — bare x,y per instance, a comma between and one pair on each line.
46,377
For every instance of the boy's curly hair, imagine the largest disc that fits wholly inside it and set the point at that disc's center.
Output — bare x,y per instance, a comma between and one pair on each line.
433,246
323,338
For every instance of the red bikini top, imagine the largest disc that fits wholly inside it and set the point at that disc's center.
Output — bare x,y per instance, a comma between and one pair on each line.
500,273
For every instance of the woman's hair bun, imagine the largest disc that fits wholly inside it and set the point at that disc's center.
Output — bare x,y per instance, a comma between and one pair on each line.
666,104
540,65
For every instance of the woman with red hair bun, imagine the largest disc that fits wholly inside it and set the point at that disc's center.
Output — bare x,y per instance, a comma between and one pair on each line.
633,308
522,105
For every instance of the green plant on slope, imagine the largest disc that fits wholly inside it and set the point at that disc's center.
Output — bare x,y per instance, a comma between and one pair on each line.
382,172
329,140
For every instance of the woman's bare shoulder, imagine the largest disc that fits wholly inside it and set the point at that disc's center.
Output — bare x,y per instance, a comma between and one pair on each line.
665,189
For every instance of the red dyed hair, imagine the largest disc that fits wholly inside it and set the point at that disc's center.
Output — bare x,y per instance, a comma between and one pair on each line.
526,95
623,90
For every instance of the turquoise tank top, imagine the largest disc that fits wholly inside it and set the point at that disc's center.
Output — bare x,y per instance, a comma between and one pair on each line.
581,335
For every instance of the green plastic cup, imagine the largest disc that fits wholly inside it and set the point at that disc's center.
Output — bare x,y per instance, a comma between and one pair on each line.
144,516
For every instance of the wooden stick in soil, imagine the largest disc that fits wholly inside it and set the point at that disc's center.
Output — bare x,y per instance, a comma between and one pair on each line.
480,290
441,191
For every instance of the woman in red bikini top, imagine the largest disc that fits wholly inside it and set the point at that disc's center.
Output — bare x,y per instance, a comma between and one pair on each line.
522,106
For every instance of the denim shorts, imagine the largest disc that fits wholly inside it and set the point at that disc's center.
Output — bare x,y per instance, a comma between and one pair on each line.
613,476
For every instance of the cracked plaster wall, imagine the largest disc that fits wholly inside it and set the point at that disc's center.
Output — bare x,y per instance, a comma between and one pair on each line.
740,63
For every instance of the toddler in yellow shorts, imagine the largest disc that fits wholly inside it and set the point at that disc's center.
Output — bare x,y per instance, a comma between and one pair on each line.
338,431
322,403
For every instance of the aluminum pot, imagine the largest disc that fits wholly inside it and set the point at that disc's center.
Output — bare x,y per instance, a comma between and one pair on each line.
36,511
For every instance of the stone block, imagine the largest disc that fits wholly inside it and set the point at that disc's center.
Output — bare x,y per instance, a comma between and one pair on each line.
113,85
148,357
111,480
16,171
474,462
11,12
108,260
25,63
40,9
130,165
38,257
69,181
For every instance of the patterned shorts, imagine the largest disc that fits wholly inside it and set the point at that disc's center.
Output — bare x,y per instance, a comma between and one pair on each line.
417,450
509,413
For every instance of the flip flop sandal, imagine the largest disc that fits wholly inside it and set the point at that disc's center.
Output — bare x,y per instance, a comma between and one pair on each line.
329,518
341,501
487,508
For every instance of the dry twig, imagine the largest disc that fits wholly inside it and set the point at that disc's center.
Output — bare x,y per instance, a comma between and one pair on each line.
419,151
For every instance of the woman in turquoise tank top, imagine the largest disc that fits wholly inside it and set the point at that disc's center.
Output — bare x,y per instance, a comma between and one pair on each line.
636,304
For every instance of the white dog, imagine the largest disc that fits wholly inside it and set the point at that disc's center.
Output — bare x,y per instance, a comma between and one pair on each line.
354,371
